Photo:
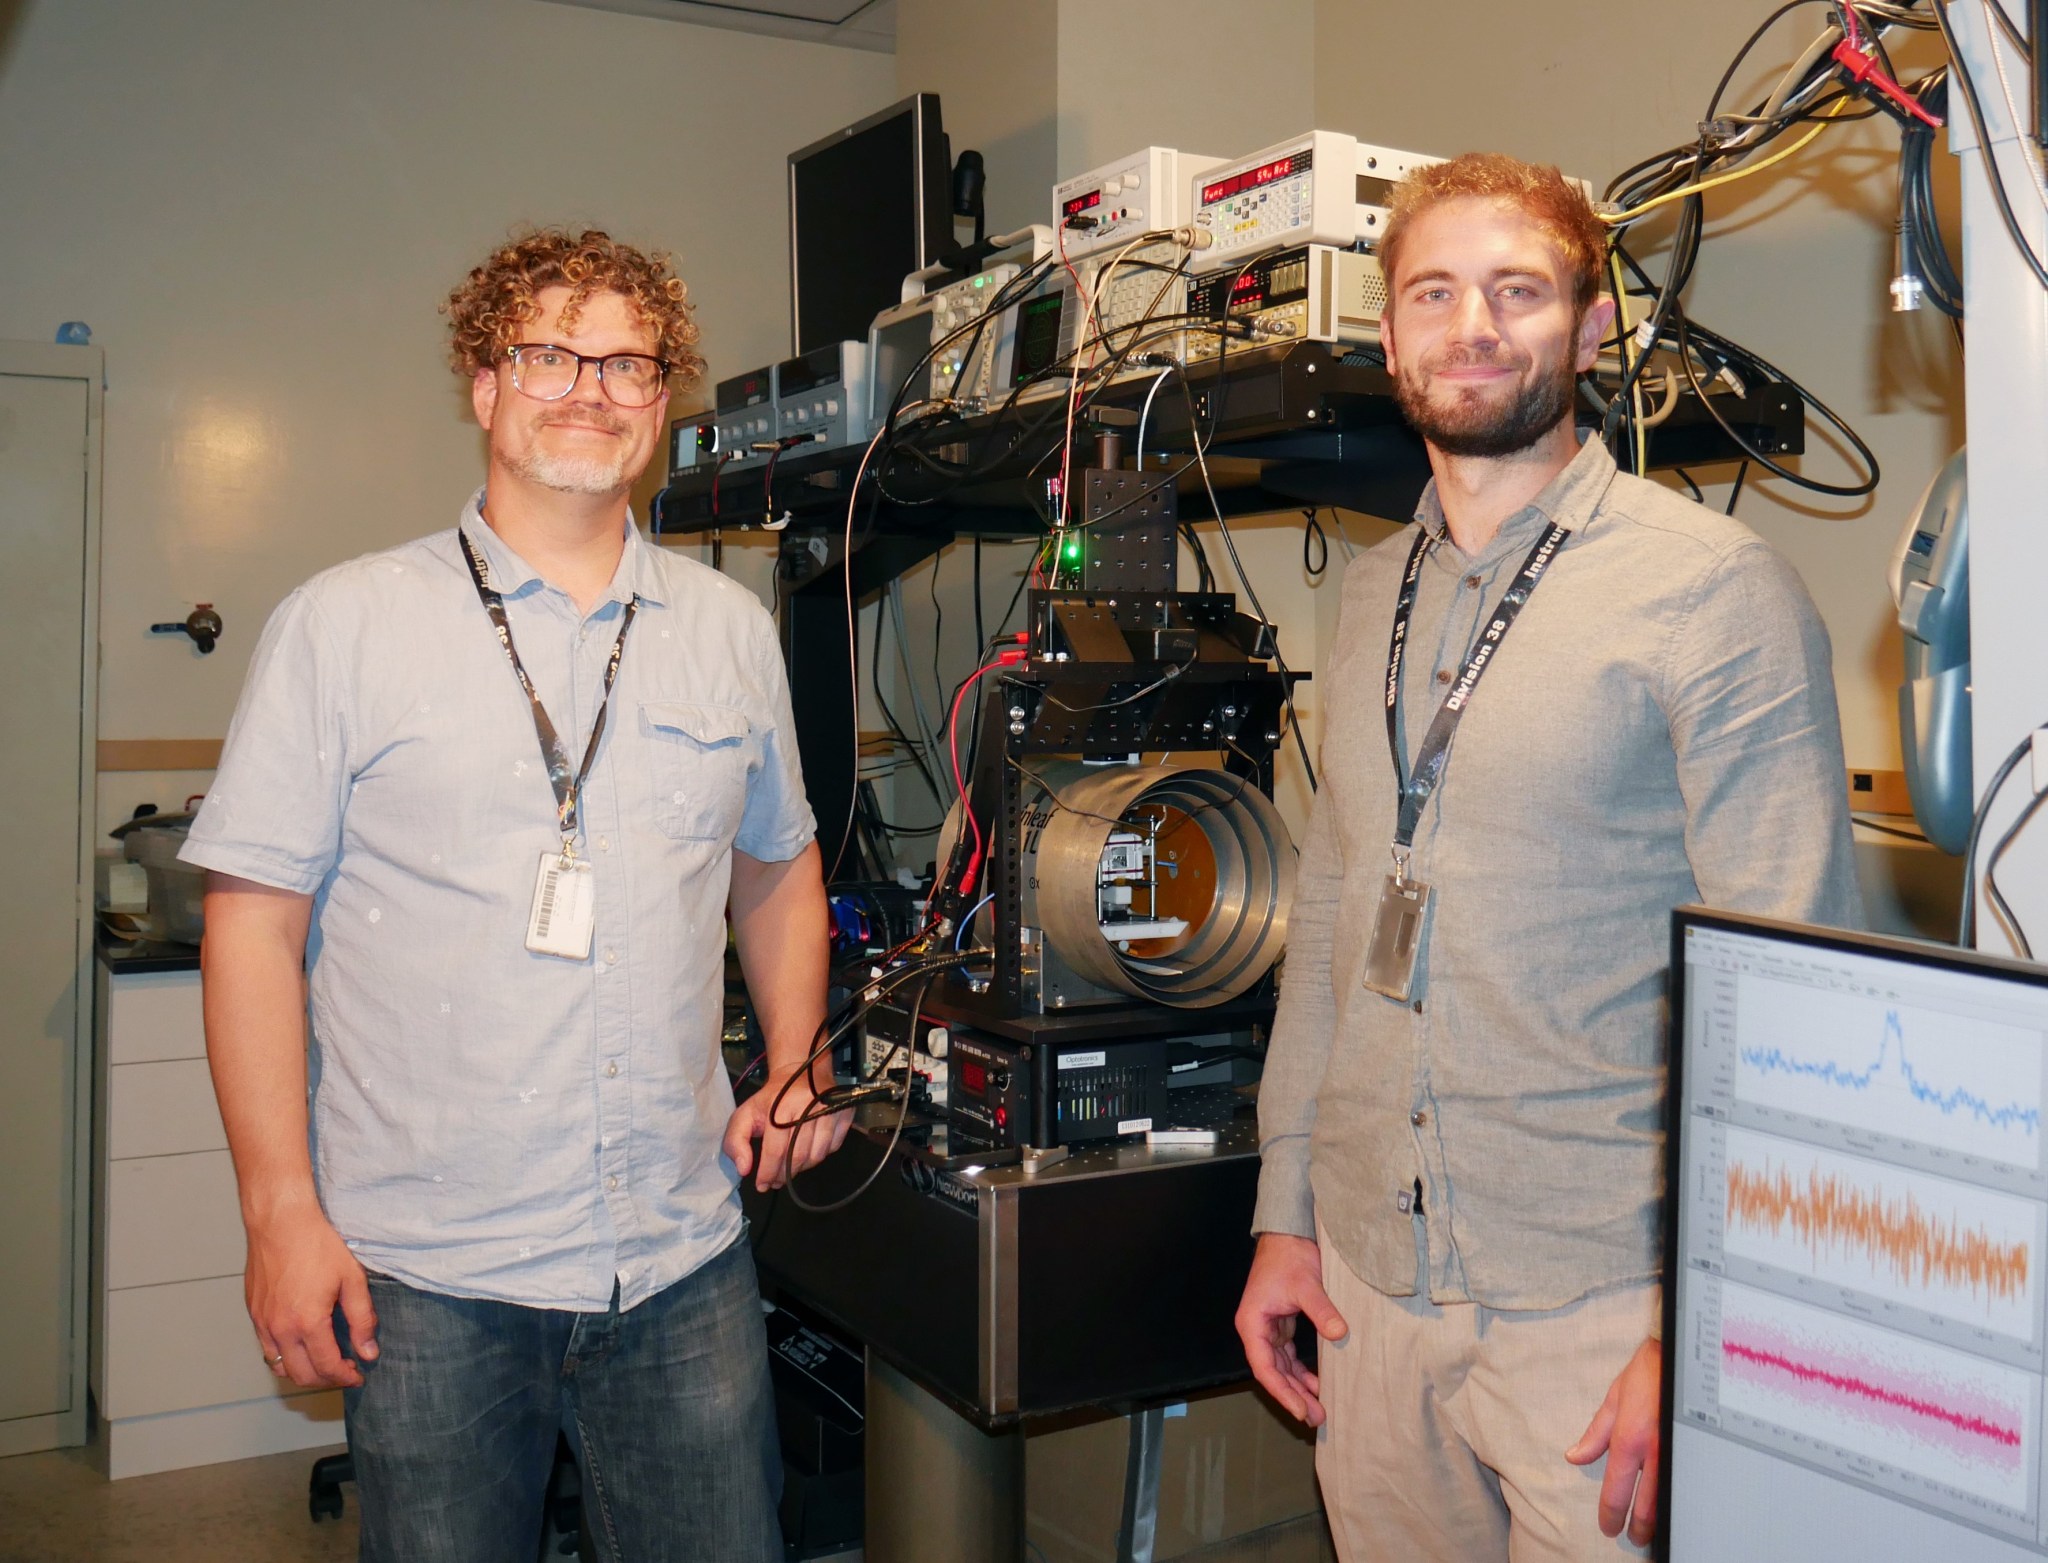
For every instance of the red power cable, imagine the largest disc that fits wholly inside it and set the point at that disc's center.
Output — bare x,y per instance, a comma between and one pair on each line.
1008,658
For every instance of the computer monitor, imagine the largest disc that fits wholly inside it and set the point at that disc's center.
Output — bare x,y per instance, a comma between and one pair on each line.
1854,1289
868,205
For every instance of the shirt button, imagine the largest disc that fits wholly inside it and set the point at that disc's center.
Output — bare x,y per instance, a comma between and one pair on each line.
1418,1006
1418,1118
604,843
1443,675
611,1182
611,957
612,1068
1472,581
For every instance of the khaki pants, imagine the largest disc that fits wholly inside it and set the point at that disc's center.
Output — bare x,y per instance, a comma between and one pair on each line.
1448,1425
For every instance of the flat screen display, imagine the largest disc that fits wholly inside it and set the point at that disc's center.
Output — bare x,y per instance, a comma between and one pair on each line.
868,205
1038,334
1855,1289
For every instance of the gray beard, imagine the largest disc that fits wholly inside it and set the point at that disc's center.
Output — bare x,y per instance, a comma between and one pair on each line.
1467,430
574,474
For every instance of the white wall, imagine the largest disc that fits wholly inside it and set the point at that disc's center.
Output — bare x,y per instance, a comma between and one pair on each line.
258,204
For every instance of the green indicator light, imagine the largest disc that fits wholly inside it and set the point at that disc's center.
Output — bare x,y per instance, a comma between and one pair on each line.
981,282
1073,549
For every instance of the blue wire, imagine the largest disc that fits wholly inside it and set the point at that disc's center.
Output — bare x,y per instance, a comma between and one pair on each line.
967,922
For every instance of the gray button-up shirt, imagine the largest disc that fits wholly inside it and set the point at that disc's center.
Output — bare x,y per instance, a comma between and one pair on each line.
488,1122
1658,727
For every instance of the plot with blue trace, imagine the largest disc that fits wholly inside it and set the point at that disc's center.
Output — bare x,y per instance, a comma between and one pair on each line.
1961,1083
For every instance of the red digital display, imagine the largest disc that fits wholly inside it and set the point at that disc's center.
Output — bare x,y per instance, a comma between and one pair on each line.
1253,178
974,1078
1082,203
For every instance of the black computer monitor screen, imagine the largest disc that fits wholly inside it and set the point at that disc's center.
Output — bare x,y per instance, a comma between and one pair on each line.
868,205
1855,1352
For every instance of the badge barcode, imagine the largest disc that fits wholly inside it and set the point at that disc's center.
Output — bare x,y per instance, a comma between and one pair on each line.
546,914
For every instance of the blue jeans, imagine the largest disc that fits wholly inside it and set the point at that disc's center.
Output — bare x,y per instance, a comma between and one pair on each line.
453,1431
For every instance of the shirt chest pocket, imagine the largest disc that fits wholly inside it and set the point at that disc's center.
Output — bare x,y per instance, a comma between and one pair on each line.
700,755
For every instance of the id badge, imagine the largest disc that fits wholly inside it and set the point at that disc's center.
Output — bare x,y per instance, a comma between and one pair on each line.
1396,937
564,908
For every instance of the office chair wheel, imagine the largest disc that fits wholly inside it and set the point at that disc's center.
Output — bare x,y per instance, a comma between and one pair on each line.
323,1489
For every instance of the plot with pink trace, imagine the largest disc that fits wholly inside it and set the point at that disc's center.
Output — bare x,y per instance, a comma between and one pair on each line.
1957,1420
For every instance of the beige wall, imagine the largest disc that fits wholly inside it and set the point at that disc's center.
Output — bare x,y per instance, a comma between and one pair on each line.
994,67
257,206
1216,77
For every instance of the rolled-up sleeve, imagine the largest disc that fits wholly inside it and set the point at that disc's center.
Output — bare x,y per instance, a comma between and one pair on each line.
777,823
274,811
1751,702
1302,1032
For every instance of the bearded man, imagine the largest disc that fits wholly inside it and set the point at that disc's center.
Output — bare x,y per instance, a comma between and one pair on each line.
1462,1121
491,797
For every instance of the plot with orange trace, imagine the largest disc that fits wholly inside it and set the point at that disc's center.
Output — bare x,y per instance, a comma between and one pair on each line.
1964,1252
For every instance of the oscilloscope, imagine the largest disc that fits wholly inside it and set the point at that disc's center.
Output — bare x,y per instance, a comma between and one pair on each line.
1855,1340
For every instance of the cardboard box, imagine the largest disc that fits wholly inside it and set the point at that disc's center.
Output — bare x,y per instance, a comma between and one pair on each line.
1237,1480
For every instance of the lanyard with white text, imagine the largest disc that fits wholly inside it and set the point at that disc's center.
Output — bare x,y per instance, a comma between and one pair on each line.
568,790
1416,788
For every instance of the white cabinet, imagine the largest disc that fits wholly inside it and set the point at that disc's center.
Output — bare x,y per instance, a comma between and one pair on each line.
176,1369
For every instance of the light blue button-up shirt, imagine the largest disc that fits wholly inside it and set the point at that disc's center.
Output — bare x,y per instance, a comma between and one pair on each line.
487,1122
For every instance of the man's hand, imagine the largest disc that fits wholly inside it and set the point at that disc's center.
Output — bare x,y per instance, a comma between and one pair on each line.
777,1164
299,1268
1286,1280
1628,1430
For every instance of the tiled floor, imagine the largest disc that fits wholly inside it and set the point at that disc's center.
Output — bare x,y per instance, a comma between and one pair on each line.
58,1508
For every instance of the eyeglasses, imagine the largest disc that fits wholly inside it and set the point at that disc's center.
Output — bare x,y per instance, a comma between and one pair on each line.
548,373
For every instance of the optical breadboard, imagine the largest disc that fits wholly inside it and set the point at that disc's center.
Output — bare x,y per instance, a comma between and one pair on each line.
1321,188
1310,293
1109,206
1860,1325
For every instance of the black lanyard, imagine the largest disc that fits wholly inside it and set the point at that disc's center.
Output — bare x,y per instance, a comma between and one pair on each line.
1435,752
567,790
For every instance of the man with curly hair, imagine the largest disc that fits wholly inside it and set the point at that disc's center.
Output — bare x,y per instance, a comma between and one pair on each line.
1567,701
489,803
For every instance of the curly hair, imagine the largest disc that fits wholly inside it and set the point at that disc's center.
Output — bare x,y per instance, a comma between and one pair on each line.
497,300
1552,201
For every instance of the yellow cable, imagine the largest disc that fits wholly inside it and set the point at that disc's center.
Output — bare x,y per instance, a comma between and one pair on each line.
1618,219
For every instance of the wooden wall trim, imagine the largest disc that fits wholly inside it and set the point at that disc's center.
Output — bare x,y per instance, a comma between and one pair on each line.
159,754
